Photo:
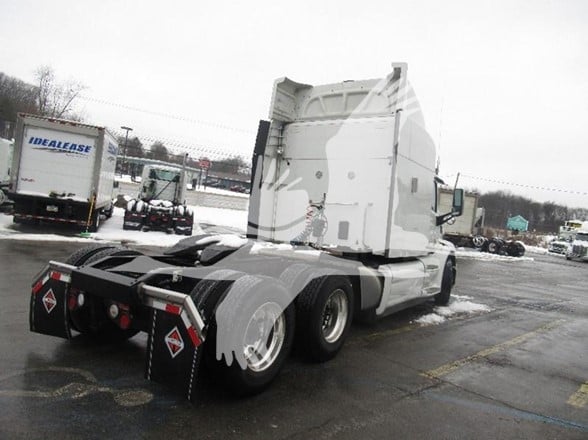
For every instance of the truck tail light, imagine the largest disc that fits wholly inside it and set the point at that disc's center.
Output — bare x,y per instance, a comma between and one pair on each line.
120,314
75,299
124,322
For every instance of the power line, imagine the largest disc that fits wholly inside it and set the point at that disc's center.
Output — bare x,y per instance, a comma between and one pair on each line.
166,115
522,185
181,147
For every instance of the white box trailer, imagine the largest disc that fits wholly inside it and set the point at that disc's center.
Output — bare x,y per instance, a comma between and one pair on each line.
5,163
465,225
63,171
5,159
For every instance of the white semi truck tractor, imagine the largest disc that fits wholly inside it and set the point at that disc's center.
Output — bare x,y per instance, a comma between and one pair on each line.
343,224
161,202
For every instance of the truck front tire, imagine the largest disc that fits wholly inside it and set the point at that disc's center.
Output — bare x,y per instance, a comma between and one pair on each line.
442,298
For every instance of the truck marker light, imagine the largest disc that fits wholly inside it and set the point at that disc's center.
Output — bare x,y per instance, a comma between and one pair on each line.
174,342
49,301
81,299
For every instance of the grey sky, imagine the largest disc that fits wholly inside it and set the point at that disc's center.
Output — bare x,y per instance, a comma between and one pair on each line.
503,84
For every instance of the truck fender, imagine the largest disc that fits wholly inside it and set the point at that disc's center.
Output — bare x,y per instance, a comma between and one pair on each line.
370,288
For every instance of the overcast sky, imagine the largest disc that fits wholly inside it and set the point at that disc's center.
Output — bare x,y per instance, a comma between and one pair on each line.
503,84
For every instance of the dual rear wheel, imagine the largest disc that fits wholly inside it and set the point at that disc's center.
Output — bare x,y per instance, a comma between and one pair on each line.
256,319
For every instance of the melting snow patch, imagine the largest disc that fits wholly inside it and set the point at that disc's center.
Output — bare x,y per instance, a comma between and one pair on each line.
111,230
228,240
536,250
458,306
485,256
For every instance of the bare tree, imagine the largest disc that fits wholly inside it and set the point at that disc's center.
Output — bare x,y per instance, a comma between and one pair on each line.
15,96
55,99
159,151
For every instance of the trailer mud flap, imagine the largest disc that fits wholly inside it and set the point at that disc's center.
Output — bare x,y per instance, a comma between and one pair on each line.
48,312
174,352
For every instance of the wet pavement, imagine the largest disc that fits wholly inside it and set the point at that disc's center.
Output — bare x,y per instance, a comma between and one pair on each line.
518,371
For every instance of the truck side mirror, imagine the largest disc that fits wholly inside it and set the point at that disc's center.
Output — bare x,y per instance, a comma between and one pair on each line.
457,205
456,208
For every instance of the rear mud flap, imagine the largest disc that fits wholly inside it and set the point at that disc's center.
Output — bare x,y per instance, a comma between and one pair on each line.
48,312
173,353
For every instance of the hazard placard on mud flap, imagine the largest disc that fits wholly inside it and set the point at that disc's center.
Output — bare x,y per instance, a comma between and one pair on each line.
48,311
172,358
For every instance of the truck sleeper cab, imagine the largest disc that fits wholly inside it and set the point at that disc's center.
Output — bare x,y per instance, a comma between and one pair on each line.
341,225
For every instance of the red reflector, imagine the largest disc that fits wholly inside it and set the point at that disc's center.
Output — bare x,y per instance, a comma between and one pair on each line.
125,321
37,287
55,276
195,339
72,302
170,308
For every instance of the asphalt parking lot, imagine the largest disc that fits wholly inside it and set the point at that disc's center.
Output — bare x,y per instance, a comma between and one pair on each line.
519,370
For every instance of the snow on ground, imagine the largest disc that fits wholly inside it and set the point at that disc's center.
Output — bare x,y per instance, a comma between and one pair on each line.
209,189
485,256
536,250
111,230
459,305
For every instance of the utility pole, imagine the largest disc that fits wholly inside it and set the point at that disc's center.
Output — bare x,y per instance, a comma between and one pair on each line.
127,129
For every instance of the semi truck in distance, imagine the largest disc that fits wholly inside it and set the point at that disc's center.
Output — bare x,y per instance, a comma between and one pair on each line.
161,202
340,227
62,172
468,230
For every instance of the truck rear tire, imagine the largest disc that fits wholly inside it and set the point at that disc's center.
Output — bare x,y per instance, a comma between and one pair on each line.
478,241
253,329
80,256
516,249
494,246
324,313
95,221
442,298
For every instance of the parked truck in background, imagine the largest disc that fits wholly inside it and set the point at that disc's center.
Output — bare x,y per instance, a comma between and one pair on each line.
340,227
161,202
6,147
62,171
578,248
468,230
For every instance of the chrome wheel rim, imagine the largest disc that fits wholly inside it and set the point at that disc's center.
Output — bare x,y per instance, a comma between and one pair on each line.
264,337
334,316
